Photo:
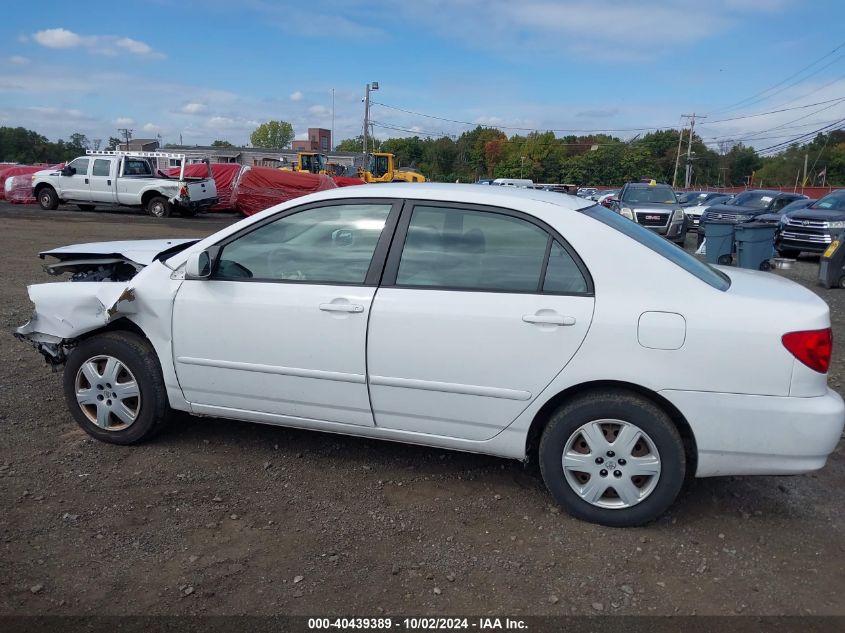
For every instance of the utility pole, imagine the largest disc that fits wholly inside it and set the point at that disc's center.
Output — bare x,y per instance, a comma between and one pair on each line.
691,117
127,135
521,165
372,86
678,158
804,182
331,145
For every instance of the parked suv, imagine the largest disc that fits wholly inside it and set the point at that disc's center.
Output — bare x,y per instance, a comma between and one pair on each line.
655,206
747,206
812,229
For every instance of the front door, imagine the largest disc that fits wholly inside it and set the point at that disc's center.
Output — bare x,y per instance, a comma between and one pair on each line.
281,325
76,187
102,181
479,311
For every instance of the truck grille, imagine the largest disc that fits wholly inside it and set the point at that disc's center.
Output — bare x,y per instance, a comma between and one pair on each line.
715,215
647,218
807,231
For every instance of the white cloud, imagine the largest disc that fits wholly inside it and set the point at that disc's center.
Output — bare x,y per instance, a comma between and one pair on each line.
319,110
194,108
19,59
296,96
302,136
57,38
101,44
150,127
134,46
124,120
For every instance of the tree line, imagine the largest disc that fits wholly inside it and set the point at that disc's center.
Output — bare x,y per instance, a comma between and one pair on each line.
541,156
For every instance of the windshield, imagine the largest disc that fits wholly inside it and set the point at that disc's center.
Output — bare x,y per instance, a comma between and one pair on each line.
661,246
753,200
659,195
834,201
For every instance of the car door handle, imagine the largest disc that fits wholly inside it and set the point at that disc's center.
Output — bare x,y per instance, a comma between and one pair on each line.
108,182
549,319
86,181
341,307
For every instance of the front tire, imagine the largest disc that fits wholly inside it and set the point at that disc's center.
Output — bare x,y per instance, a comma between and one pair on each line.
114,388
612,458
158,207
48,199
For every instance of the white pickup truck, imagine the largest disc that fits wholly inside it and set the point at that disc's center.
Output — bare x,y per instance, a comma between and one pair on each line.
127,179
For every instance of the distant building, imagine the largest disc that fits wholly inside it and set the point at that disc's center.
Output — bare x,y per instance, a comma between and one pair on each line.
254,156
319,140
140,145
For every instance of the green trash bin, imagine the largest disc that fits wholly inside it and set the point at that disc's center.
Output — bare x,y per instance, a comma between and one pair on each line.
755,245
719,246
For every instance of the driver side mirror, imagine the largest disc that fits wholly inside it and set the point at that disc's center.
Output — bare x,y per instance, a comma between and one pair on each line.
67,170
198,266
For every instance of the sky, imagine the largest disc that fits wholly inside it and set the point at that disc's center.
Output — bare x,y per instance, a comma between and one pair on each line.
215,69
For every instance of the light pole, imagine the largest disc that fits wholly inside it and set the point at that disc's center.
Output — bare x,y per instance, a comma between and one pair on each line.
521,165
372,86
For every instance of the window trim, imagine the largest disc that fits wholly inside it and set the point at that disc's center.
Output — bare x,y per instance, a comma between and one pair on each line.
391,269
374,271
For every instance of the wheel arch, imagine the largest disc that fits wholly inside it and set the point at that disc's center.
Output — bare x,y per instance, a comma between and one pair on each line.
149,194
541,418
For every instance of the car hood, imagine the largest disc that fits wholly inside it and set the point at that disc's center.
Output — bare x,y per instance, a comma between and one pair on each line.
735,209
142,252
827,215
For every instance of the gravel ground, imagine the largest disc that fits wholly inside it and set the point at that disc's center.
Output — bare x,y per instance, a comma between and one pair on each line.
220,517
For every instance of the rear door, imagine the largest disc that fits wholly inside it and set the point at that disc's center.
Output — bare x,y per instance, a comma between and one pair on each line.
478,311
102,180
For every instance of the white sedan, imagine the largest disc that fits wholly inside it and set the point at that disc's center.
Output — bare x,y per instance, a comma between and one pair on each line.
512,322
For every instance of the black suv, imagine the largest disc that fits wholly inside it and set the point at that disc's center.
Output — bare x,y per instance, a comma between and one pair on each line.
811,230
746,206
655,206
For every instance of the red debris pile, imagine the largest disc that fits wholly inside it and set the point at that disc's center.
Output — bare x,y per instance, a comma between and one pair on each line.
260,188
347,181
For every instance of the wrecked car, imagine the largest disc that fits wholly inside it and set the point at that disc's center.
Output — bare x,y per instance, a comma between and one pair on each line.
517,323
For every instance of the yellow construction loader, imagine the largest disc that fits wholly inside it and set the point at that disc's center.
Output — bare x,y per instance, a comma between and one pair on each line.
381,167
312,162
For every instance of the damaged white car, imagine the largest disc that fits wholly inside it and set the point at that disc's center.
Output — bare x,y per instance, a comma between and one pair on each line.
514,322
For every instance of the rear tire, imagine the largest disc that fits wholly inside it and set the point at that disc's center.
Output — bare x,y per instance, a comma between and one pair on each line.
158,207
648,441
86,207
114,388
725,260
48,199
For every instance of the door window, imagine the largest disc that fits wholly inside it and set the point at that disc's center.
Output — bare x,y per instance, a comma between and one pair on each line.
80,165
328,245
472,250
101,167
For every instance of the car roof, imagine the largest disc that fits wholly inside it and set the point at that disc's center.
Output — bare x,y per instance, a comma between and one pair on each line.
452,192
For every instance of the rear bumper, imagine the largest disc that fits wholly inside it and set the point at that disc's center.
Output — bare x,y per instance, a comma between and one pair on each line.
738,434
197,204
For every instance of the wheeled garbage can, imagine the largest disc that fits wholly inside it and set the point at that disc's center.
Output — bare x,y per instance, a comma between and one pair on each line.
719,237
755,245
832,263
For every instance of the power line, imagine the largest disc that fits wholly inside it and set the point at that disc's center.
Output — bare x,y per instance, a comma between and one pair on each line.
783,145
801,107
780,83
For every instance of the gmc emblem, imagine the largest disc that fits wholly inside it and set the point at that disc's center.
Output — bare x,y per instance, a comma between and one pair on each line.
652,217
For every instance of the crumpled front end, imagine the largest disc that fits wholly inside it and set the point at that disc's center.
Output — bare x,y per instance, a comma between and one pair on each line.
65,311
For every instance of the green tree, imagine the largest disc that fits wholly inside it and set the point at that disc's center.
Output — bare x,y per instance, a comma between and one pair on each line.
272,135
219,143
114,143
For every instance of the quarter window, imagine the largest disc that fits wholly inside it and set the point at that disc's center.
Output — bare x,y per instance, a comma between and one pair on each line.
471,250
101,167
562,273
332,244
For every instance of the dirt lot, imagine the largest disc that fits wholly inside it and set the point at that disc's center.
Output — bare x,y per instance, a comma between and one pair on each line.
221,517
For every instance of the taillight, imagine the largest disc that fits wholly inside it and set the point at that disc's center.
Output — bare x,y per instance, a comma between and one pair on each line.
811,347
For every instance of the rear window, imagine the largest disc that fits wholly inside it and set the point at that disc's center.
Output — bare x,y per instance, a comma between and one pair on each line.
661,246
